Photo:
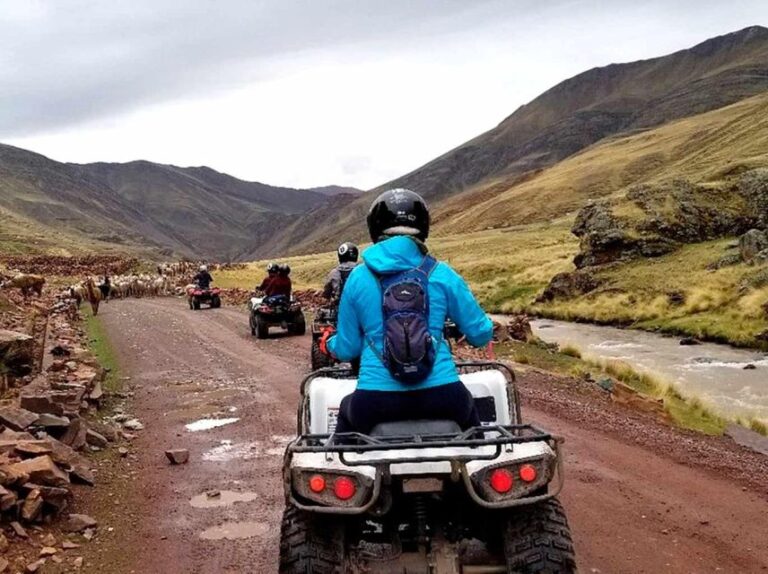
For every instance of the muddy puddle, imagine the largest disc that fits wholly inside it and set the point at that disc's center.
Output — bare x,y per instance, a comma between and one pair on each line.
221,498
235,530
208,424
229,450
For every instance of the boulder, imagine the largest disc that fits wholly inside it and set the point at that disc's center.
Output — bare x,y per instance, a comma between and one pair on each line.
751,244
17,419
75,436
95,439
40,402
42,470
17,351
8,499
32,506
49,421
177,456
79,522
519,328
569,285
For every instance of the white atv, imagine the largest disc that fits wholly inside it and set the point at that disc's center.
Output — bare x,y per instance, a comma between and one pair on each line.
423,496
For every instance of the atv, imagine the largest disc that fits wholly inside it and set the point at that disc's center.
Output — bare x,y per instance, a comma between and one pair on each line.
423,496
196,296
277,310
324,318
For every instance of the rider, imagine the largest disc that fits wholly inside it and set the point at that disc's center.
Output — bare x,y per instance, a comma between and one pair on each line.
203,279
280,284
398,222
337,278
271,274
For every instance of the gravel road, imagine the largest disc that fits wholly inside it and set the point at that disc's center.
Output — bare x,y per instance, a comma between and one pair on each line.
640,497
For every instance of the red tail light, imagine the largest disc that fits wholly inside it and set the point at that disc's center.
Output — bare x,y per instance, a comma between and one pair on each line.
344,488
317,483
528,473
501,480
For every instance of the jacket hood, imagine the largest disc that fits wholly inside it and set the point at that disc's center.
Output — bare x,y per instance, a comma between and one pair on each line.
393,255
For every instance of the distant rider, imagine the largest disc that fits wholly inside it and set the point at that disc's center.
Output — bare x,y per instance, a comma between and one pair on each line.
398,222
281,284
271,274
348,254
203,279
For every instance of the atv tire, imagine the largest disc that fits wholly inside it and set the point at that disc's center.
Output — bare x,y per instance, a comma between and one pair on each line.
252,325
319,359
262,328
299,326
196,304
537,540
190,304
310,543
215,302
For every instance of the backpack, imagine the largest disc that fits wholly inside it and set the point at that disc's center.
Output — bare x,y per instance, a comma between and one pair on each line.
409,350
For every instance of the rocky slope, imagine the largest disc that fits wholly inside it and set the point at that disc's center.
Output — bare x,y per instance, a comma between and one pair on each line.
194,211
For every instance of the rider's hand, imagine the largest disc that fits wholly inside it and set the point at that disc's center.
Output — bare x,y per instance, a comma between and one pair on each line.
327,334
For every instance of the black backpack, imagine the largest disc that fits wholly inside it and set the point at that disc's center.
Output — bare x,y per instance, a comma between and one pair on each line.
409,349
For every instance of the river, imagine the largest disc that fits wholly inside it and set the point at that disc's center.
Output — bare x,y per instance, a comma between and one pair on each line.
715,373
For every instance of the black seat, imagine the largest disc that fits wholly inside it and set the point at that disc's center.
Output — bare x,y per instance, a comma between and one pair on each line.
418,427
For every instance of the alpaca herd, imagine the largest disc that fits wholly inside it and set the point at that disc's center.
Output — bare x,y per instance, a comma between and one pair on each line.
94,290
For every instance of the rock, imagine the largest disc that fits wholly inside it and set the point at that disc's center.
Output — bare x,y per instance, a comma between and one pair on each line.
213,494
4,564
10,475
568,285
75,436
48,540
18,529
95,439
4,544
35,566
689,341
8,499
42,470
48,420
676,298
519,328
28,446
122,451
67,545
78,523
54,496
177,456
78,562
133,425
32,506
46,551
17,351
77,465
16,418
751,244
750,367
60,351
40,402
606,383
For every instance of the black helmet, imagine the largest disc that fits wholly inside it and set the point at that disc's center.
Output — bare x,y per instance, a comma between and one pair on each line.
273,268
398,212
285,269
347,252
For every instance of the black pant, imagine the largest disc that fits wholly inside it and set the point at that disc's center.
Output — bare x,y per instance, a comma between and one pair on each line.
363,410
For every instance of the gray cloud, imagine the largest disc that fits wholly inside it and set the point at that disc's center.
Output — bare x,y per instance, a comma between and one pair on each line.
66,62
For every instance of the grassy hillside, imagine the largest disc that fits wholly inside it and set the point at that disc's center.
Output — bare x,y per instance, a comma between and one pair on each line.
577,113
710,147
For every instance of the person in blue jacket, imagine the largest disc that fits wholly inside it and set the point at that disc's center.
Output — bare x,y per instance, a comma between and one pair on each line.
398,222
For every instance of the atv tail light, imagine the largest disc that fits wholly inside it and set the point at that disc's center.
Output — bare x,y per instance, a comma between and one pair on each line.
344,488
501,480
317,483
528,473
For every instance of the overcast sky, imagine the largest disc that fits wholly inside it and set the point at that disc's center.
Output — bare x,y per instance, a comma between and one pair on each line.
309,92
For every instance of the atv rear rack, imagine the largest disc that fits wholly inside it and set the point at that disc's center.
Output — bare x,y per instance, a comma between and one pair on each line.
475,437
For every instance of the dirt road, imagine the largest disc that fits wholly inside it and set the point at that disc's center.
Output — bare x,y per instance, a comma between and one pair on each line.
632,508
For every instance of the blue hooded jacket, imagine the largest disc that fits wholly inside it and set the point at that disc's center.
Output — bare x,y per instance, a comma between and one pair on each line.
361,316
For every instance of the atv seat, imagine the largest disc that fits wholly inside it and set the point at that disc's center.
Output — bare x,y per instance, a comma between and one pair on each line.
417,427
